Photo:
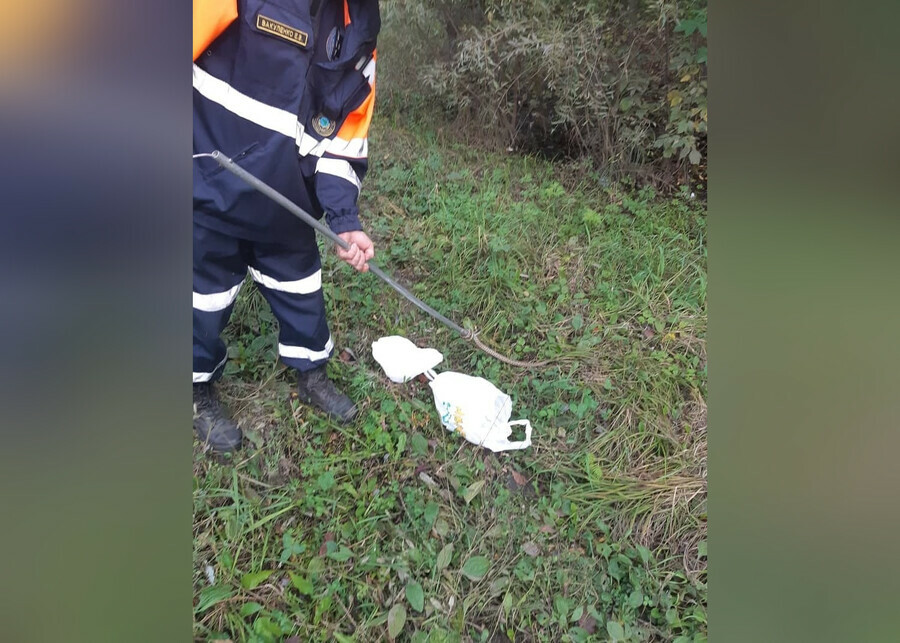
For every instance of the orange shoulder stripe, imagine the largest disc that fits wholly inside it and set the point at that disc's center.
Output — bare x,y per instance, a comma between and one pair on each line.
211,18
356,125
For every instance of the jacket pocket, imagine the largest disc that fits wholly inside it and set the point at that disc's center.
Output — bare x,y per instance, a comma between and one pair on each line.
333,93
274,51
334,88
218,190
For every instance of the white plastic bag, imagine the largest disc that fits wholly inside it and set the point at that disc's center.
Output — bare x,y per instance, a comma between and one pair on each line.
477,410
402,360
470,406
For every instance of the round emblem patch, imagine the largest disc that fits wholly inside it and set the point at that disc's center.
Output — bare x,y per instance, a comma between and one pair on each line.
323,125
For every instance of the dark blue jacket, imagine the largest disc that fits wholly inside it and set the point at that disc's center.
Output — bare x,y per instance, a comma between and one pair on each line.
288,96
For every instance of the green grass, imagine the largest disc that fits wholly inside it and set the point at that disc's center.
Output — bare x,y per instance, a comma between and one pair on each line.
393,525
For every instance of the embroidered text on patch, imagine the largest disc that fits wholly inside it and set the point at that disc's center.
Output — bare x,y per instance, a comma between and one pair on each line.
281,30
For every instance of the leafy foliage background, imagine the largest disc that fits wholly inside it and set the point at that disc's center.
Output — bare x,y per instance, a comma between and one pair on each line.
622,82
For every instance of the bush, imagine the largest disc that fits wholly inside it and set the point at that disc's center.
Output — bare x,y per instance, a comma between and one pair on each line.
620,82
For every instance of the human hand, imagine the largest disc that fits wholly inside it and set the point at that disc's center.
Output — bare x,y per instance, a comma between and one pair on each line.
361,249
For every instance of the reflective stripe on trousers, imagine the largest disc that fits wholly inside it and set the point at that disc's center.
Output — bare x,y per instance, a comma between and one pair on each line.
289,278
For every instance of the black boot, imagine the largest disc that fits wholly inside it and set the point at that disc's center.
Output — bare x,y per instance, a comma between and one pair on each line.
213,422
316,389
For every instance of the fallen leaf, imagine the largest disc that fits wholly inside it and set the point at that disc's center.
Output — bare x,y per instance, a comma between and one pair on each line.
396,620
342,555
476,567
498,585
473,490
636,598
427,479
303,585
416,596
253,580
444,556
615,630
329,537
495,531
531,549
527,489
588,623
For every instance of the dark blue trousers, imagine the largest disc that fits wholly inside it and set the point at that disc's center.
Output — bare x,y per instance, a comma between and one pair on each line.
289,275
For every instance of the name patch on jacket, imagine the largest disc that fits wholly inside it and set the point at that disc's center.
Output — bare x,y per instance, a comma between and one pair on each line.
281,30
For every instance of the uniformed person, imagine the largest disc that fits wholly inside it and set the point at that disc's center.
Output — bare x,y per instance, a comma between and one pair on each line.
286,89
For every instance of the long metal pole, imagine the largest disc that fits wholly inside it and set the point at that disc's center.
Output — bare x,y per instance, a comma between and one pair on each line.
297,211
